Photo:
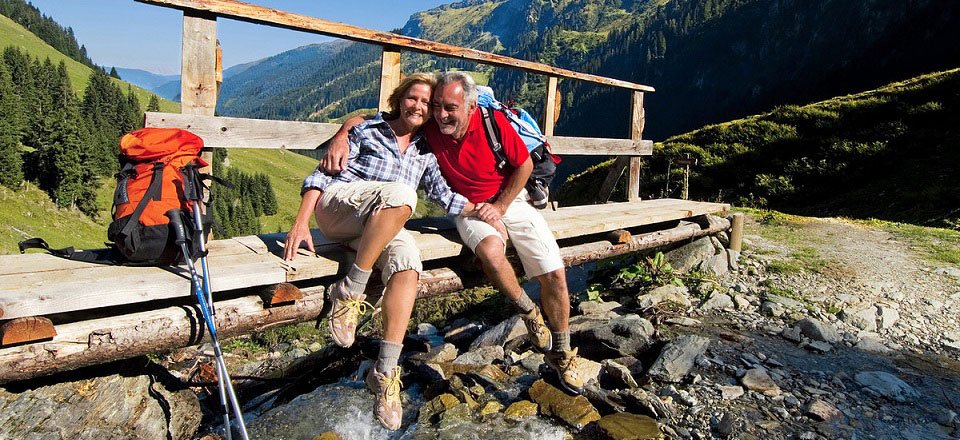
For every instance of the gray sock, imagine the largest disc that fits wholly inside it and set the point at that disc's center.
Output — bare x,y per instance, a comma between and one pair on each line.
389,355
356,280
561,340
524,303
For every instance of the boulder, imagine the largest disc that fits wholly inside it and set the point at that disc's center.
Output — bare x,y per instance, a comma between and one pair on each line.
597,308
520,410
718,301
819,331
669,293
617,375
757,379
787,303
717,265
822,411
864,318
887,385
678,358
575,411
502,333
888,317
626,426
690,255
480,356
626,335
129,399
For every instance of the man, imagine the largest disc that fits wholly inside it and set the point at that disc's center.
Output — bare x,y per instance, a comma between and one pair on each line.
467,163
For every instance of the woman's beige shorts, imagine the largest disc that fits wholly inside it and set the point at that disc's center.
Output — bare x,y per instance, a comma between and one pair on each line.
343,211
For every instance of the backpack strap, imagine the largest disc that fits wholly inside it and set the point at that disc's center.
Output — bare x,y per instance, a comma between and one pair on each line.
101,256
154,191
493,137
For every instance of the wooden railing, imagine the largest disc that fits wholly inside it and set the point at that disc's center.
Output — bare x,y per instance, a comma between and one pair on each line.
199,87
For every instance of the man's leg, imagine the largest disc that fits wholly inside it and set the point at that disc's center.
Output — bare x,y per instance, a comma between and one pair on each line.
489,246
540,255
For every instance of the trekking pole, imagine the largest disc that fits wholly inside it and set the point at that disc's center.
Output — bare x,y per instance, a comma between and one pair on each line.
226,386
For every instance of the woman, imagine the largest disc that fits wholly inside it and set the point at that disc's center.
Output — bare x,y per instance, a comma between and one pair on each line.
366,206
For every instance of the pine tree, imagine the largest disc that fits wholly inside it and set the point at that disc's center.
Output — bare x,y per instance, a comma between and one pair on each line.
113,73
270,205
134,113
154,105
11,161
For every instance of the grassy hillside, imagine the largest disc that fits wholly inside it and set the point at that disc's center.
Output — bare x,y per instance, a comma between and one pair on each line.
28,212
12,34
888,153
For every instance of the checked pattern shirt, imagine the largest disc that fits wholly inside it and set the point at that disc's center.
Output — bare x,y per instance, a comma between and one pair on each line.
375,156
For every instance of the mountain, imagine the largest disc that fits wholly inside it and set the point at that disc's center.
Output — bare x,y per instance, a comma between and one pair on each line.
142,78
888,153
710,60
164,86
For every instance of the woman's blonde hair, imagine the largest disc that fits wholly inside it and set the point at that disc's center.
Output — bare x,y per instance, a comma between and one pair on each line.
408,81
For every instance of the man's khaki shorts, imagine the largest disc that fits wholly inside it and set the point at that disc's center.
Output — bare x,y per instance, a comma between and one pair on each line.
529,234
343,211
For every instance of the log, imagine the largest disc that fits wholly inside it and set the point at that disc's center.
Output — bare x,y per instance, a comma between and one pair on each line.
98,341
613,176
280,294
272,17
27,329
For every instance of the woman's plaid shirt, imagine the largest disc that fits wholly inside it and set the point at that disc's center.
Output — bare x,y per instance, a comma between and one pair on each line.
375,156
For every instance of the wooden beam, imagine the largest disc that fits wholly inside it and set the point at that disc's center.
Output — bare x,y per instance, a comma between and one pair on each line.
613,176
389,75
225,132
550,110
272,17
636,133
198,69
736,232
26,329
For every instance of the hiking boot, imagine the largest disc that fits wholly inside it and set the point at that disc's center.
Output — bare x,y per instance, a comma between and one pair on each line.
345,312
537,331
566,363
386,388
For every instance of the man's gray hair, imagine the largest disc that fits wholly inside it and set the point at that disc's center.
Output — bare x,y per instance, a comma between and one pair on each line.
466,81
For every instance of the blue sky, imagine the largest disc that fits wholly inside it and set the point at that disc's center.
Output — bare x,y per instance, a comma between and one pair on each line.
125,33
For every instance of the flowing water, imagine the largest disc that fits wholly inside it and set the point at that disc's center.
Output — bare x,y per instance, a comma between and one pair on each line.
345,407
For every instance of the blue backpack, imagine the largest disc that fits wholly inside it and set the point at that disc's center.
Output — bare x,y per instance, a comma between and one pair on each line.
544,162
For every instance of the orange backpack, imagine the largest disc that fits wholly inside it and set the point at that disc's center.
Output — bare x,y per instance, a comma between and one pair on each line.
159,172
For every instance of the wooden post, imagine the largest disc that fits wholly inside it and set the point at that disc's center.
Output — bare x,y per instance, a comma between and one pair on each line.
198,69
736,232
389,75
550,111
636,133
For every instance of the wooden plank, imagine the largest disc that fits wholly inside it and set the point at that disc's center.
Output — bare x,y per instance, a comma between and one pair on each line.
550,110
226,132
27,329
272,17
256,261
636,133
389,75
104,286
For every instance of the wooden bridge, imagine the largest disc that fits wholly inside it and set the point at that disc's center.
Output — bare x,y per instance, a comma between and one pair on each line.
57,315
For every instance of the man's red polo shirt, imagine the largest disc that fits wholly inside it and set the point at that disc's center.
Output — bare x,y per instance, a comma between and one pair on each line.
468,164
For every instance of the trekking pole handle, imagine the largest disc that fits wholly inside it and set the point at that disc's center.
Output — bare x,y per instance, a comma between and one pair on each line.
176,220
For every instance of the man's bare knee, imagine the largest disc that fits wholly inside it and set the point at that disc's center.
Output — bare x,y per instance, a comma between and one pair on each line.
556,279
490,250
